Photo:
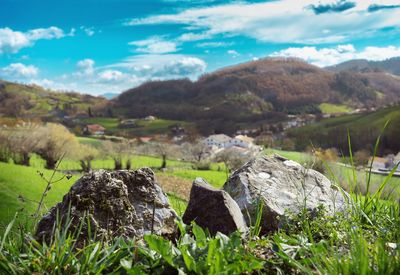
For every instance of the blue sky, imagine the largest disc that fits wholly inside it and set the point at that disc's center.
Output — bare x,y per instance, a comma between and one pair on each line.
112,45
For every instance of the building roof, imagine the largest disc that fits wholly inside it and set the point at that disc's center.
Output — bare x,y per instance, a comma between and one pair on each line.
145,139
244,138
220,138
379,160
95,127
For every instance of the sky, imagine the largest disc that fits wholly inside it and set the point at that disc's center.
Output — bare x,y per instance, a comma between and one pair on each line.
109,46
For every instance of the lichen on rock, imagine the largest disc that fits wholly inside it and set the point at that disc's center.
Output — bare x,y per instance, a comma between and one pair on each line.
110,204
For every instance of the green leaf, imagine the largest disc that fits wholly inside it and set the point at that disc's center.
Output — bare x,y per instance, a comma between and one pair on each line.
8,229
126,264
190,262
162,247
201,238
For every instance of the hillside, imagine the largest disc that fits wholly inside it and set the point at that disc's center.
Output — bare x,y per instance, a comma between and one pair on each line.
363,129
391,66
34,102
260,90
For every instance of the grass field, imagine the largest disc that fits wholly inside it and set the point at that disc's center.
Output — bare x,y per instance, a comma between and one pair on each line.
143,127
358,242
25,182
328,108
363,128
21,188
16,181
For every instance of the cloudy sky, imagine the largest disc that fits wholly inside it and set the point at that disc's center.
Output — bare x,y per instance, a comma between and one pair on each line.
111,45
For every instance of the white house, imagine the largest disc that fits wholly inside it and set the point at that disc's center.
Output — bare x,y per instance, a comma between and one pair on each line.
224,141
379,163
219,141
243,141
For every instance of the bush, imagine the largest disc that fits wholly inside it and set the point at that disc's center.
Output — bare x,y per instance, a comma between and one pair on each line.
202,165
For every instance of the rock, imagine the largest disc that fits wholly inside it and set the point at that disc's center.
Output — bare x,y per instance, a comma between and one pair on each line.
116,203
284,186
213,209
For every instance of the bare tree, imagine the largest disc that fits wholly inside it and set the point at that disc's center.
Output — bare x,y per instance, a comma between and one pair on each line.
195,152
233,158
54,141
159,149
87,155
24,141
118,151
5,150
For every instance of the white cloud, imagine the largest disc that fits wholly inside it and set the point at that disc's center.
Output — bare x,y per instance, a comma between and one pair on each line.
127,74
233,53
163,66
214,44
334,55
282,21
12,41
85,67
19,70
183,67
90,31
154,45
194,36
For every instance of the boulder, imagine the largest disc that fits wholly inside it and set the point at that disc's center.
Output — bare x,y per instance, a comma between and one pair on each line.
284,186
109,204
213,209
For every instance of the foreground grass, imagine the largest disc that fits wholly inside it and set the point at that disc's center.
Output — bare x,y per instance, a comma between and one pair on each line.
363,240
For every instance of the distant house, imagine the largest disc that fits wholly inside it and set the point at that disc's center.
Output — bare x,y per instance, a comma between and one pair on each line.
128,123
150,118
379,163
145,139
392,161
224,141
397,157
94,129
219,141
243,141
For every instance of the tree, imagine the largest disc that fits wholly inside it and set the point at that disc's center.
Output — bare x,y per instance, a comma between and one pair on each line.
24,140
195,152
18,142
361,157
5,150
159,149
54,141
232,158
87,155
118,151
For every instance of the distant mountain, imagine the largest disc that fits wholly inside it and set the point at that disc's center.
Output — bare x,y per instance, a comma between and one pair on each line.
391,66
257,91
109,95
34,102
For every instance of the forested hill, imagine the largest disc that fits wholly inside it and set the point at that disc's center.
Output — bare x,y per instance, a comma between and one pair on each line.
35,102
363,129
391,66
258,90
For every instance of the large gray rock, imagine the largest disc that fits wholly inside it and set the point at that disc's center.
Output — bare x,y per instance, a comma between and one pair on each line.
119,203
284,186
213,209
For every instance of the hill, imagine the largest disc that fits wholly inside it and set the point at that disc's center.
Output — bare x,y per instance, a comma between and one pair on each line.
34,102
363,129
391,66
263,90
